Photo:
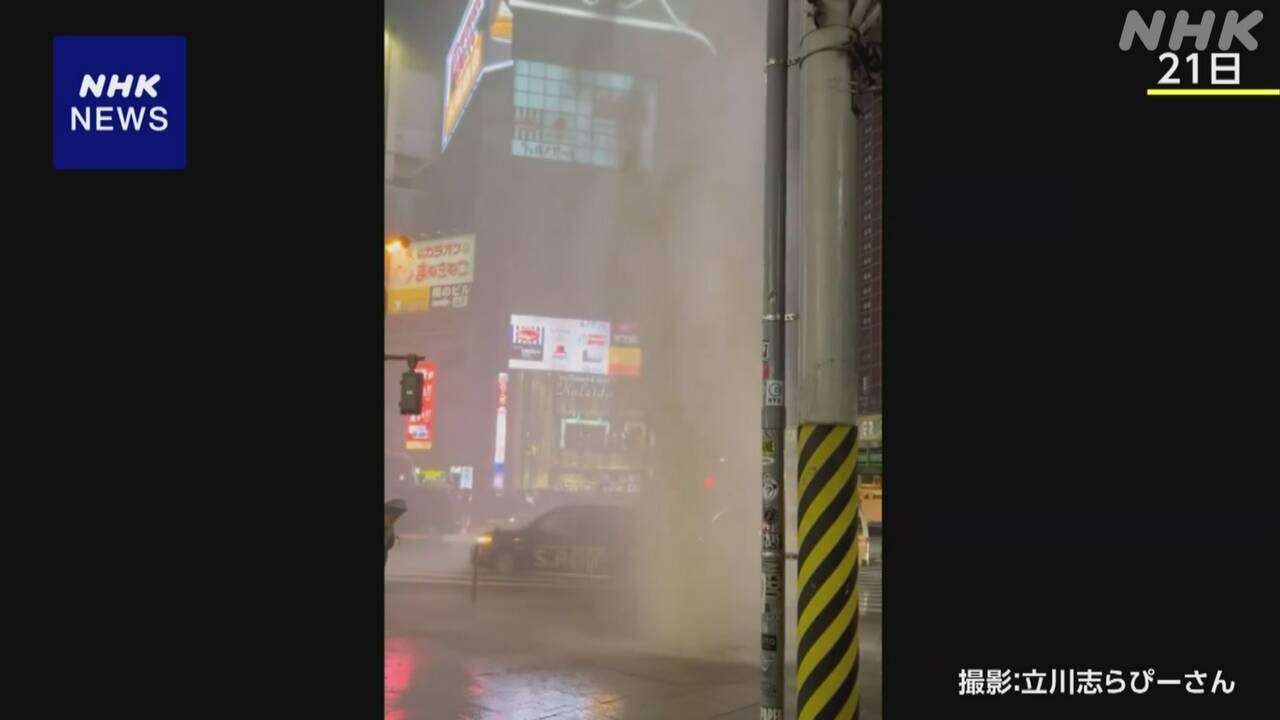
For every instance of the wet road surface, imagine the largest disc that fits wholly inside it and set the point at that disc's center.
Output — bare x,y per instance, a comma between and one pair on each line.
537,652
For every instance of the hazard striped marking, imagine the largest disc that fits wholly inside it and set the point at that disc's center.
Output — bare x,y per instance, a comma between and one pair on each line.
827,669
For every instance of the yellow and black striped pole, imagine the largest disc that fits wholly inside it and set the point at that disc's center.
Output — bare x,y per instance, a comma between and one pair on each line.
827,655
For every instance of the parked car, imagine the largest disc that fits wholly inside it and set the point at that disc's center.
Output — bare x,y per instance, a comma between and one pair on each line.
507,513
578,539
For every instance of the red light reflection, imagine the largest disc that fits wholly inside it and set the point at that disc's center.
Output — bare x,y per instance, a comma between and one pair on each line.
398,664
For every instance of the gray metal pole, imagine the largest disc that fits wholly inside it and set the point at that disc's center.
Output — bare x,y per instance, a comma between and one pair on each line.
828,328
774,415
827,575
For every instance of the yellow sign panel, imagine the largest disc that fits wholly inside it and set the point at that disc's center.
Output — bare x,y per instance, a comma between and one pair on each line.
500,29
418,277
624,360
408,300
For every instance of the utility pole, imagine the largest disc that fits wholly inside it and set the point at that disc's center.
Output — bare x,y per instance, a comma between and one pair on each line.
774,413
827,577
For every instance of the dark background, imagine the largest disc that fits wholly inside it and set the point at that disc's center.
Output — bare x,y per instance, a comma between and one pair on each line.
1079,365
199,359
1078,351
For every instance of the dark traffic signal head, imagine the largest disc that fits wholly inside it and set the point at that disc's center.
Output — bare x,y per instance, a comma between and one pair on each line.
411,393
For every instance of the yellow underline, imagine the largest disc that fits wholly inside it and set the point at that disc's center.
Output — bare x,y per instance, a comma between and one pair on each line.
1214,91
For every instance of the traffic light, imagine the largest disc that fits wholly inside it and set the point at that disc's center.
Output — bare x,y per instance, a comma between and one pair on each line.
411,393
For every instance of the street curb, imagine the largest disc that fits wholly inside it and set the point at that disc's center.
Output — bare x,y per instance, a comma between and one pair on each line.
465,581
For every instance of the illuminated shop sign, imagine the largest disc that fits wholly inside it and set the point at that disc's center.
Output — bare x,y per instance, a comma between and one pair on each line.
481,45
588,347
560,345
431,274
418,429
463,66
500,435
624,350
584,386
501,26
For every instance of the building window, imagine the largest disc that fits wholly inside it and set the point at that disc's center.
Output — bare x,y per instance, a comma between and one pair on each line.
582,116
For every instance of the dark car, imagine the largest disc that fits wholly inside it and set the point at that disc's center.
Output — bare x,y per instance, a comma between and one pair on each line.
578,539
508,513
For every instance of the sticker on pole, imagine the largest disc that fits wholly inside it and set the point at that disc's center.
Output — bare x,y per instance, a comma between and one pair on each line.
770,489
773,585
773,393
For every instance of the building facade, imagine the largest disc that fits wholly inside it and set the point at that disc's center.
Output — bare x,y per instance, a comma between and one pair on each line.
871,307
543,164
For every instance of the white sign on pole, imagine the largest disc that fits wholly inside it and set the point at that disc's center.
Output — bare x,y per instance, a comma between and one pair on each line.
773,392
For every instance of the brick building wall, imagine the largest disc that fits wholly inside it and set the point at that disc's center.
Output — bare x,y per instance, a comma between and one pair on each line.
870,254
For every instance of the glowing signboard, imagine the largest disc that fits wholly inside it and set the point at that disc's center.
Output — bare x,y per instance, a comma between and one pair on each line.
463,67
624,351
500,435
579,346
501,26
589,347
431,274
418,428
462,476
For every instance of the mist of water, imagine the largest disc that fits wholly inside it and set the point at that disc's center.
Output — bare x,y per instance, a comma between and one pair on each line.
699,587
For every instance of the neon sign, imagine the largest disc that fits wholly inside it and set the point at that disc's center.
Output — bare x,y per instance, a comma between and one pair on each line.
463,68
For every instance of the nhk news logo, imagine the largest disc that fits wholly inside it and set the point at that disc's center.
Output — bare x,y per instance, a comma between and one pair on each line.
1221,71
119,102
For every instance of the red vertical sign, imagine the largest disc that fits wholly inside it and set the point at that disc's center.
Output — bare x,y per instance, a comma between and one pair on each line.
418,429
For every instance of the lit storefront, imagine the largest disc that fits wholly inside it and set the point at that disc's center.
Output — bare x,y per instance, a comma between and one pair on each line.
576,409
581,434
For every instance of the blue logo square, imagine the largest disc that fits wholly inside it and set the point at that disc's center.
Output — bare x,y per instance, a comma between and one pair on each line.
119,102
